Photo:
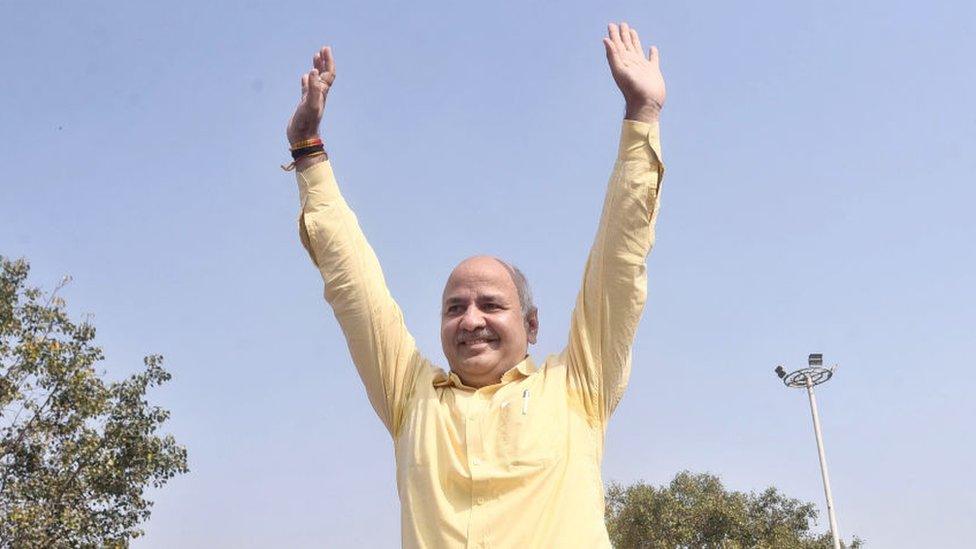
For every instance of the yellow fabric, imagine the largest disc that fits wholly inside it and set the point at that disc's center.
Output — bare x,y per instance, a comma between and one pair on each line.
516,464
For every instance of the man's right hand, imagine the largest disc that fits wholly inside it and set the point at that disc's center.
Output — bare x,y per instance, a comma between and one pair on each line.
304,124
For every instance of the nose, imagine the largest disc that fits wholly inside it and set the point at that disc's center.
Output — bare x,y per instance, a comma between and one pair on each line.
472,320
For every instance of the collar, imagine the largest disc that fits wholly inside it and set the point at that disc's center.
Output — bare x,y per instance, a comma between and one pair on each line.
520,371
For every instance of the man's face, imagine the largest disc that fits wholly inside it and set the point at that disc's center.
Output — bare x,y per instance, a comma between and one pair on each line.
483,331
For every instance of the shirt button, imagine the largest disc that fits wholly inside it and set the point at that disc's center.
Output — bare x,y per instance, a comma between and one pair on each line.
481,500
477,462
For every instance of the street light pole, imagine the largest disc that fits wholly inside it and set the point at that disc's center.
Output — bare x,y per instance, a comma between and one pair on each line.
823,464
808,377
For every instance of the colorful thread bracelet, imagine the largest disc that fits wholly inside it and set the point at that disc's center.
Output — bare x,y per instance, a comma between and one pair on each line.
305,151
306,143
315,151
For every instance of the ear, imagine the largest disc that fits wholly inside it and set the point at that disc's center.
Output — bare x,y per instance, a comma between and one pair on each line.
532,325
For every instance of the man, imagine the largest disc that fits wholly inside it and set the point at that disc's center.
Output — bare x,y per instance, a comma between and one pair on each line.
497,452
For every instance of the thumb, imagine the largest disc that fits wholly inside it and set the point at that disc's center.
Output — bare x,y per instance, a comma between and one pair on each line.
652,55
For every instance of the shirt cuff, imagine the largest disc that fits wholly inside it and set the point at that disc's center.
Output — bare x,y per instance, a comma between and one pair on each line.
317,184
640,141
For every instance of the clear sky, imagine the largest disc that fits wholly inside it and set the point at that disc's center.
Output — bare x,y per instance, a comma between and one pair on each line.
818,198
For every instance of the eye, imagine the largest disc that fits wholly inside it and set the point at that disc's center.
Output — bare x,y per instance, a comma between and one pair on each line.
491,306
453,309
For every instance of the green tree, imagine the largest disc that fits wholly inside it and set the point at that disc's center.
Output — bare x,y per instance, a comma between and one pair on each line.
696,511
76,451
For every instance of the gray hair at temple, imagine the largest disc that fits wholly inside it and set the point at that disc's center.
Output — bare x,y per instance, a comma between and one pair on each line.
522,286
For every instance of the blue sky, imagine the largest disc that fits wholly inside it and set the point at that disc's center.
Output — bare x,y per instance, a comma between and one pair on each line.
818,199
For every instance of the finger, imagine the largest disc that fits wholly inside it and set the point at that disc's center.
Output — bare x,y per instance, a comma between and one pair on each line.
309,82
317,89
615,36
653,56
611,52
304,84
329,60
635,40
321,81
625,36
315,60
321,64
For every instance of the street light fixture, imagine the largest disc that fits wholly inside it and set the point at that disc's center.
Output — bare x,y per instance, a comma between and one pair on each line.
815,374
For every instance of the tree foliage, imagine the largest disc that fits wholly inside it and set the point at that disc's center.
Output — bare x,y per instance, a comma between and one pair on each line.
696,511
76,451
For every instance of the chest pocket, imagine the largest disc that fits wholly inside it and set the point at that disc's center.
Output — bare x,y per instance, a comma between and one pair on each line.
528,430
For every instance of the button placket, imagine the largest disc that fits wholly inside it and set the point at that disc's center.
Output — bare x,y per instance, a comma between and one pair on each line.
474,425
475,439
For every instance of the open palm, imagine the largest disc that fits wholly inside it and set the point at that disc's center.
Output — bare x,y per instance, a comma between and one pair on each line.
639,78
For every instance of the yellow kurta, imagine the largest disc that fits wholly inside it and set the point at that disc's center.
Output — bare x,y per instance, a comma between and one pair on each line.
516,464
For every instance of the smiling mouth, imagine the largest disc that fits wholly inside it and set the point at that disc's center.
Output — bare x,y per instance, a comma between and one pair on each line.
477,342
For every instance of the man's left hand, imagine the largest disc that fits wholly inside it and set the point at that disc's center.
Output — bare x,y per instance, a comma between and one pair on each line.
639,78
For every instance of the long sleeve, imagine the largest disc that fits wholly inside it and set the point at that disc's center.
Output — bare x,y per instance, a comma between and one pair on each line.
382,349
614,289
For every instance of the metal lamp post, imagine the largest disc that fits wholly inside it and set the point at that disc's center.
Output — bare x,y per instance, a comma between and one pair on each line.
815,374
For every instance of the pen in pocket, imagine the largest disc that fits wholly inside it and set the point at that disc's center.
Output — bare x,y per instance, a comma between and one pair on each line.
525,402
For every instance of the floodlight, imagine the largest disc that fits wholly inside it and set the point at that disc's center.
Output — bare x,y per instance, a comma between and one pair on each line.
815,374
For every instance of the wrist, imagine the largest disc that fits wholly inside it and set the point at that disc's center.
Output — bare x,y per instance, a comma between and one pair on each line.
305,153
643,111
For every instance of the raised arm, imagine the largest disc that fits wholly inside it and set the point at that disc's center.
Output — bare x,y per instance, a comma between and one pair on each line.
381,347
611,299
